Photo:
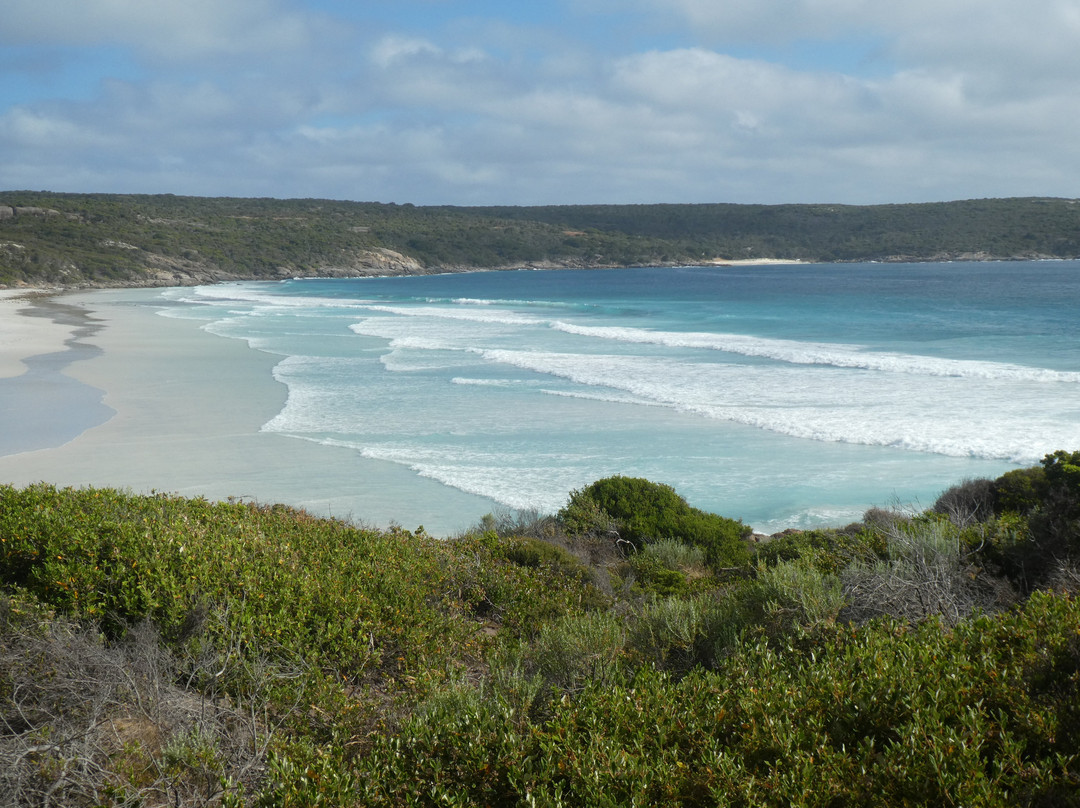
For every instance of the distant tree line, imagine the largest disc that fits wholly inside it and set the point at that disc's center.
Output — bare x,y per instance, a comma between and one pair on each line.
114,239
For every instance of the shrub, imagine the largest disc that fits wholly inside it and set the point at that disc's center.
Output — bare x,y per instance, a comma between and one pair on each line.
517,584
676,555
884,519
566,656
537,552
652,577
928,572
830,551
679,634
528,523
790,595
583,517
666,633
642,511
985,714
969,502
1019,491
85,719
1048,497
1056,522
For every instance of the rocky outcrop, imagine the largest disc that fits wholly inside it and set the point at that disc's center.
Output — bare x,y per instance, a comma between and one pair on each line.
366,263
193,270
163,270
35,211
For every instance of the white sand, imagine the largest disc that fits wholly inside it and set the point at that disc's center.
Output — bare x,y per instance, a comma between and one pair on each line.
750,262
22,337
189,407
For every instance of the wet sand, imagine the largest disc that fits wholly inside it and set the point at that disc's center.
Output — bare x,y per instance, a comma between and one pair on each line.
22,335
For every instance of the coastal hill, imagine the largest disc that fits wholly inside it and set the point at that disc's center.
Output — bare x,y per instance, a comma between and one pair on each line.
123,240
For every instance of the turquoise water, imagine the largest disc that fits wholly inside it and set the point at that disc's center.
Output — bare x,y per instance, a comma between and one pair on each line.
783,395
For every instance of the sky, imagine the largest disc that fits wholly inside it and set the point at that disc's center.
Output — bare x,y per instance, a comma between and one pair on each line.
557,102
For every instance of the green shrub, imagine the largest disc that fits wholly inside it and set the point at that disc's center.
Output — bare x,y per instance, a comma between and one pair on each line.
679,634
535,553
1046,499
984,714
676,555
1019,491
583,517
284,660
652,577
577,651
667,631
518,584
528,523
643,511
791,594
1005,545
267,585
830,551
1056,522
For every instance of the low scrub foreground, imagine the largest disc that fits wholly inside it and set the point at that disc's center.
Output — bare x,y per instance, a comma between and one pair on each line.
630,650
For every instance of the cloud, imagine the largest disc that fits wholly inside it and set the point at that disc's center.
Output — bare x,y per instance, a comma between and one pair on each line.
267,97
394,49
995,36
174,30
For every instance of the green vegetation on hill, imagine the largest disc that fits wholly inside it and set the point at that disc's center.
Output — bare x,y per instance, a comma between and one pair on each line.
103,239
156,650
990,228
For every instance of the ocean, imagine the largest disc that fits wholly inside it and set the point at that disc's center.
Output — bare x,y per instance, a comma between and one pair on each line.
783,395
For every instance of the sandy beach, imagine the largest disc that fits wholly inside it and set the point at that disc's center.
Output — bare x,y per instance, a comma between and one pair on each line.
181,412
750,262
22,336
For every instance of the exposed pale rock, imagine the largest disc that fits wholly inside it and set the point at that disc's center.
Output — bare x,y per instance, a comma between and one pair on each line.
365,263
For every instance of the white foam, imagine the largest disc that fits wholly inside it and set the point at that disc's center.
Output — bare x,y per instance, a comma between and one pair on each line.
498,316
821,353
531,304
972,418
543,484
399,338
257,293
319,392
608,398
486,382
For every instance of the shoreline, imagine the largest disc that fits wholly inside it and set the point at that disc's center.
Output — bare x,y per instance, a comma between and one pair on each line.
752,262
25,289
23,336
45,405
189,409
185,411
